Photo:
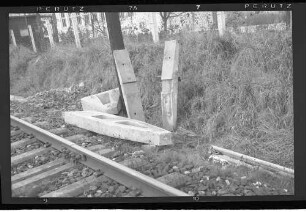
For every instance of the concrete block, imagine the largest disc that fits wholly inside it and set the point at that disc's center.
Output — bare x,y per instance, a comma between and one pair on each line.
119,127
107,102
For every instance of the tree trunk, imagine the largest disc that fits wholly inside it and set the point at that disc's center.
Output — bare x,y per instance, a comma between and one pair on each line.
40,33
165,23
92,25
215,20
54,27
193,20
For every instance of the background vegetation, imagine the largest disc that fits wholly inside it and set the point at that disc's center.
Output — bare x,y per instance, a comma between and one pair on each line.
236,92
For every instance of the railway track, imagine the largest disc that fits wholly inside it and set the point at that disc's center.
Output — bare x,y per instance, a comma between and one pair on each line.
79,164
102,174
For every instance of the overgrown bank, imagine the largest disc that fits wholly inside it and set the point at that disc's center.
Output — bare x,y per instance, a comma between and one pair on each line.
236,92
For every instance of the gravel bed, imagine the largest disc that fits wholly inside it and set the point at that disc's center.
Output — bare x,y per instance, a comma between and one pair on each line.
110,188
203,184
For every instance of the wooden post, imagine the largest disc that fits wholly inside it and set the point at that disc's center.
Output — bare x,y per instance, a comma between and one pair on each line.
32,38
154,28
50,34
221,23
129,85
75,30
13,37
170,85
115,37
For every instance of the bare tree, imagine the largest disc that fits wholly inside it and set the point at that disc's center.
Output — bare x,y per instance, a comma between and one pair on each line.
101,26
165,17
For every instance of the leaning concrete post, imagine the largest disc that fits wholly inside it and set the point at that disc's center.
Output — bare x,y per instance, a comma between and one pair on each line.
75,30
129,85
32,38
170,85
221,23
50,34
13,37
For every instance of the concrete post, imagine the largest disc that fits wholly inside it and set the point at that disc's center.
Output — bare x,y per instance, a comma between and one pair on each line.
75,30
154,28
13,37
170,85
50,33
32,38
221,23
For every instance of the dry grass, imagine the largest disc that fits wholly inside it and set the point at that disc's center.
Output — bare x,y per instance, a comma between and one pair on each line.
236,92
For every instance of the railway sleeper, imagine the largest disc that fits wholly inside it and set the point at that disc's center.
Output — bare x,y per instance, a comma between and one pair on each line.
37,170
28,155
27,187
75,189
21,143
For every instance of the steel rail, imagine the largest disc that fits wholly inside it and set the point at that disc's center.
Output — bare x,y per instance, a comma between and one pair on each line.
122,174
255,161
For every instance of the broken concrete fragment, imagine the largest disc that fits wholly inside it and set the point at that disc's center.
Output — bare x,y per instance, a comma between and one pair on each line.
107,102
119,127
17,99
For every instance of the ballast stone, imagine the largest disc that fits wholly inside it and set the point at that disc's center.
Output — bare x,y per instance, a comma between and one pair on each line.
119,127
107,102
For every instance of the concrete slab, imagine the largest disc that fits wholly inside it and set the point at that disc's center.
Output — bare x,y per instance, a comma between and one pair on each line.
107,102
119,127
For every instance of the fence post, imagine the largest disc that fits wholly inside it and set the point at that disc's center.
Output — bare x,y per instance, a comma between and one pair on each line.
13,37
75,30
221,23
50,34
32,38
